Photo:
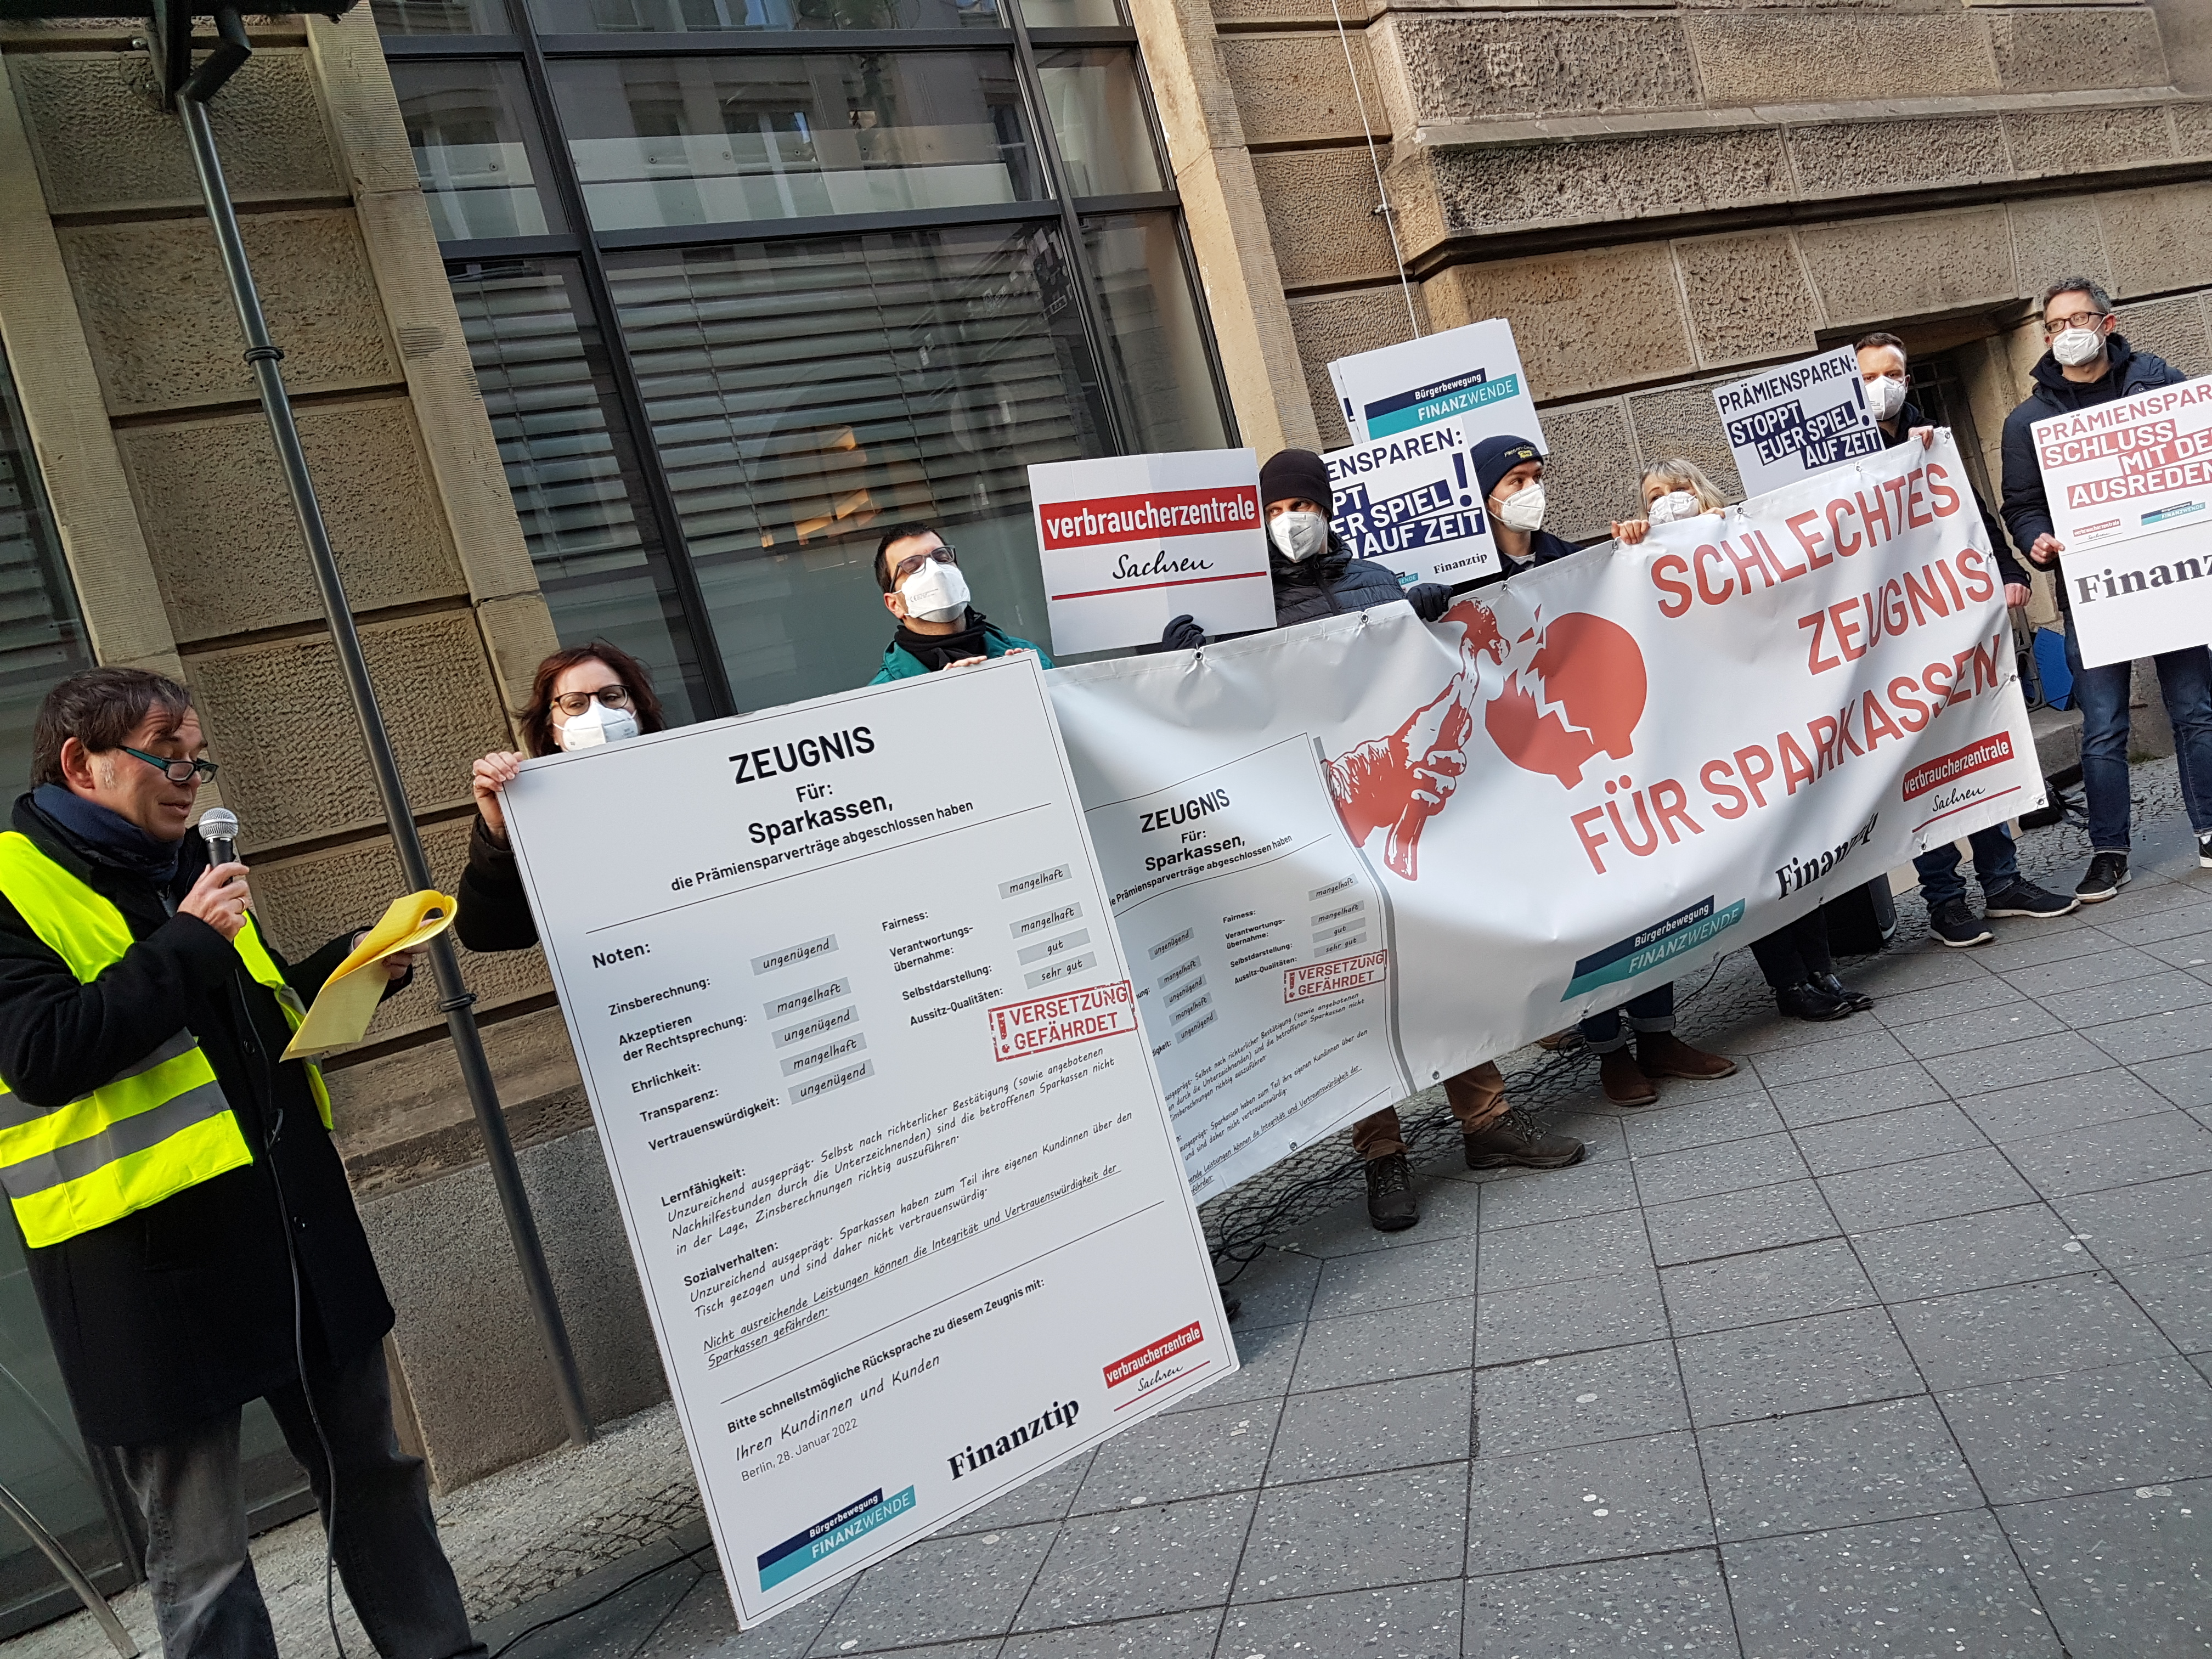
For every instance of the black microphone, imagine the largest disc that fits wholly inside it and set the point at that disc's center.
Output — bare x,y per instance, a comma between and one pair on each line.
219,824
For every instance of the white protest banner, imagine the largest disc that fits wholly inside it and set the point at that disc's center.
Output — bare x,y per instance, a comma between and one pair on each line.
1129,541
1471,375
1392,850
2129,485
1411,502
864,1057
1787,424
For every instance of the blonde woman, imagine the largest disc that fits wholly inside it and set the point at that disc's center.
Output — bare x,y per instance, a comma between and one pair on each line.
1674,489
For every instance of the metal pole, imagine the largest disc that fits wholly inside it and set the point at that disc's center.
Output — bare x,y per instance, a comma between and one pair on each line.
455,1000
51,1546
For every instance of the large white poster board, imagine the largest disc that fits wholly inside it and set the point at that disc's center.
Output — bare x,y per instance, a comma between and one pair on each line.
865,1058
1411,502
1471,375
1381,851
1128,542
1788,423
2130,484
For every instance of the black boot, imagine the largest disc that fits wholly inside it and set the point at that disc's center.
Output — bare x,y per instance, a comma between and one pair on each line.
1390,1204
1859,1001
1810,1001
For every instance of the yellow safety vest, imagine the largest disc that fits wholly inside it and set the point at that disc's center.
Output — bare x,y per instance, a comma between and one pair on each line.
158,1125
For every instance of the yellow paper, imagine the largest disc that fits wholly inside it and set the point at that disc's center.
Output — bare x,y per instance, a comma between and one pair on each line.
347,1002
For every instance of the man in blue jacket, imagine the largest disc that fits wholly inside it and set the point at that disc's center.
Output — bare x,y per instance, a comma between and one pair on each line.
2088,363
923,588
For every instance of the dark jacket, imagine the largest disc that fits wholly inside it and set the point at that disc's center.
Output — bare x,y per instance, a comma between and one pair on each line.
1543,548
493,912
2026,512
1329,584
2009,567
183,1309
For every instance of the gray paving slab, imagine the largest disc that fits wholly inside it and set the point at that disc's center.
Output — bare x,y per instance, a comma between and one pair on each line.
1963,995
1729,1223
1859,1094
2185,951
1408,1341
1405,1621
1916,1587
1169,1635
1127,1564
2185,1080
1555,1252
2051,1106
1448,1208
2106,1003
1318,1537
704,1622
1795,1365
1899,974
2152,916
1974,1252
1577,1399
1673,1129
1832,1057
1880,1461
1571,1318
1048,1497
1374,1426
2100,968
2178,1296
2012,1021
2114,1155
1420,1272
2033,1059
1791,1283
2042,1329
1926,1190
2126,1573
1529,1197
2153,1037
2050,1437
2046,942
940,1589
1193,1454
2156,1221
1762,1160
1673,1604
1887,1137
616,1627
1266,1357
1586,1502
1276,1287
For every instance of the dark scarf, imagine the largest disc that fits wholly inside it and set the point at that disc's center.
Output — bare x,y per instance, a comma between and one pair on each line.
934,651
107,836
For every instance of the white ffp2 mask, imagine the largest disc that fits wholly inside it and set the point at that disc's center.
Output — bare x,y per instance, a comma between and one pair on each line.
2077,346
1673,505
1523,511
597,724
937,592
1298,536
1885,396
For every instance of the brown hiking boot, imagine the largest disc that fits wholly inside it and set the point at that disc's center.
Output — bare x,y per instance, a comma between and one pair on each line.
1662,1053
1519,1140
1623,1080
1390,1205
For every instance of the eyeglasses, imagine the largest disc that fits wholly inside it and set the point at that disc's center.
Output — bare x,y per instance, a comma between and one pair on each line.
2079,320
573,703
176,771
906,567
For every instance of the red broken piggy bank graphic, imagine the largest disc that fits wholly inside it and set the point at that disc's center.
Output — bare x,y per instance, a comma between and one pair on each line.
1578,695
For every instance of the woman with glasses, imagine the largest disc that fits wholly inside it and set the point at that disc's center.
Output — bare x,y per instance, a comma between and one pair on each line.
580,697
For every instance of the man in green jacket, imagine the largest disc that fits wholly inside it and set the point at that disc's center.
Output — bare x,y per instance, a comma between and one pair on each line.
923,587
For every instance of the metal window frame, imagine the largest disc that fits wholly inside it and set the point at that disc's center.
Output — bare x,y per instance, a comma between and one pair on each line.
589,247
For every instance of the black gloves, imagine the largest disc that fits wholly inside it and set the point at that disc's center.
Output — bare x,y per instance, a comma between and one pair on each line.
1183,634
1430,600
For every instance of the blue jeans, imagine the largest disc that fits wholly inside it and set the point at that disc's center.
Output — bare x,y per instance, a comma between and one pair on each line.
1996,865
2184,679
1652,1012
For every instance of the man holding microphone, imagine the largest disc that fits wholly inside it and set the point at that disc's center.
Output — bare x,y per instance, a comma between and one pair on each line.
188,1221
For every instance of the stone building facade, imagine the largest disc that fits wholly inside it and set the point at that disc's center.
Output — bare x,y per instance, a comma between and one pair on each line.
1657,196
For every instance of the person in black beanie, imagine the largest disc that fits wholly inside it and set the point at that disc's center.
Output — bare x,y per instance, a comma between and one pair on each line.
1315,574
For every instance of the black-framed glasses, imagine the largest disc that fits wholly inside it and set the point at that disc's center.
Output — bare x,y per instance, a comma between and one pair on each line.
176,771
573,703
940,554
2079,320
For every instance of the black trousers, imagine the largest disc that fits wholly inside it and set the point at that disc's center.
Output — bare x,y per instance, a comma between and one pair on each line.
1795,951
206,1599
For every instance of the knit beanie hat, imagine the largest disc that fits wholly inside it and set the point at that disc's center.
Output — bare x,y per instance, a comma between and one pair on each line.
1496,456
1294,475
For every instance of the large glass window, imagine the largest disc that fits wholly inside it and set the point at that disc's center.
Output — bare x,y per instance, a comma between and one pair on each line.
786,287
42,637
477,150
677,141
574,469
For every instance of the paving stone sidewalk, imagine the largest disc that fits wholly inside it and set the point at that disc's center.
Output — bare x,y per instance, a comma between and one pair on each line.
1899,1342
